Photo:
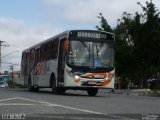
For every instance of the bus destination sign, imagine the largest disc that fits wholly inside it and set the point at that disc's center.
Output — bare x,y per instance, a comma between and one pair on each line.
91,34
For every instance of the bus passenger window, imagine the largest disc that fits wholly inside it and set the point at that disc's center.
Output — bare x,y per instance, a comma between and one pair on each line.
54,51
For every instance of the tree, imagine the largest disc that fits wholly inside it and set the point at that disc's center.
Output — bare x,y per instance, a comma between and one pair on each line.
104,26
137,44
147,43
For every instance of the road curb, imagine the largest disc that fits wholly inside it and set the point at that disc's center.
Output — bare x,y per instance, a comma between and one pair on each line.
135,92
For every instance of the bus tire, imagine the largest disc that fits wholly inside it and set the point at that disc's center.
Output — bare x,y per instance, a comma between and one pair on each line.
30,87
92,91
60,90
36,89
53,82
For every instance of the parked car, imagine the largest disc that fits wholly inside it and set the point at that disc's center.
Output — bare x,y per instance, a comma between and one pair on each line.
3,84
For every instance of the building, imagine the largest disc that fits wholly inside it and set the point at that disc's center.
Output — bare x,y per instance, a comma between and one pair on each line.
6,76
16,76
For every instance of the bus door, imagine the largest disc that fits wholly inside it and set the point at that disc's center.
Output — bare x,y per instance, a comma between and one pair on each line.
61,62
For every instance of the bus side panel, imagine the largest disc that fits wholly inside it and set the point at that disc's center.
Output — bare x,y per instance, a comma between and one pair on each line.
43,79
48,63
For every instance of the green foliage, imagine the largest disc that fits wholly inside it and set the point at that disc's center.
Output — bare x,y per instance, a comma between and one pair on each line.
13,84
19,85
104,26
137,44
10,83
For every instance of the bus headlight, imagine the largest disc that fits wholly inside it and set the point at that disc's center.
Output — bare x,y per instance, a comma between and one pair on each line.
76,77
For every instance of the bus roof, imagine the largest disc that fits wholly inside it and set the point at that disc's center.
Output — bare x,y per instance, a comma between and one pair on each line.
58,35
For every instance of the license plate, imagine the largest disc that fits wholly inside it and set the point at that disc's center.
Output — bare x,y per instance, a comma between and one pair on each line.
92,82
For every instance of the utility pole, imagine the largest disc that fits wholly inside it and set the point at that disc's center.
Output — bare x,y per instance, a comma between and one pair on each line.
4,45
0,54
11,68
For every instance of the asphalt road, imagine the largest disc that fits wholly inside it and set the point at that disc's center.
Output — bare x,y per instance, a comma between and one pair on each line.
73,105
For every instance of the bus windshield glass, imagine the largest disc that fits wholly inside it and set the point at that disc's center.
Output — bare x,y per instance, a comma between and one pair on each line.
97,54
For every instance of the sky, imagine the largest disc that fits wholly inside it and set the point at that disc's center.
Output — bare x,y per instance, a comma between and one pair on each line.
24,23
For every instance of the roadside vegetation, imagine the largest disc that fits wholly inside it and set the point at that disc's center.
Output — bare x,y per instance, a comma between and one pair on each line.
137,46
13,84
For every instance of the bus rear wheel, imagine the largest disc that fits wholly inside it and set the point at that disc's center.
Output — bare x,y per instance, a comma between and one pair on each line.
30,87
92,91
53,82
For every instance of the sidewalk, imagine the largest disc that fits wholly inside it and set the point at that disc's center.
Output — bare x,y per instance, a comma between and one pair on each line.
143,92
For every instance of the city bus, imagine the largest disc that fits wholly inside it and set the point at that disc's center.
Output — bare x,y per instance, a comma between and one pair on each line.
72,60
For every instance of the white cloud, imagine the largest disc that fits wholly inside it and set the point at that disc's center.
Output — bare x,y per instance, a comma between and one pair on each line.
20,36
86,11
111,10
60,2
62,14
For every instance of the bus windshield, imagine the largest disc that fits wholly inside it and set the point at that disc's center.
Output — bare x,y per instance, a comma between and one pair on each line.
97,54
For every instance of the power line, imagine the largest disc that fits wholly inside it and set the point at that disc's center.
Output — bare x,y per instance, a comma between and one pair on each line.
11,63
9,54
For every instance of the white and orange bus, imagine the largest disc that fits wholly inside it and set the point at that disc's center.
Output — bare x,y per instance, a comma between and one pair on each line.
74,59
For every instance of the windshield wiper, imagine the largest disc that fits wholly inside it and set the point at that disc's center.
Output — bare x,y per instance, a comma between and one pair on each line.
97,51
88,47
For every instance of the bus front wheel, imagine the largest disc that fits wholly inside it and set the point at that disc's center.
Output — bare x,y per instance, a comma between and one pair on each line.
60,90
92,91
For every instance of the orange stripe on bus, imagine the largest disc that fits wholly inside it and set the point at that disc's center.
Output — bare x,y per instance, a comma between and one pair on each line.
92,74
77,81
106,82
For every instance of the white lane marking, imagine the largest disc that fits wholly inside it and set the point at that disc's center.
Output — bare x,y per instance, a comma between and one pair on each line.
83,110
8,99
46,103
42,103
15,104
50,104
